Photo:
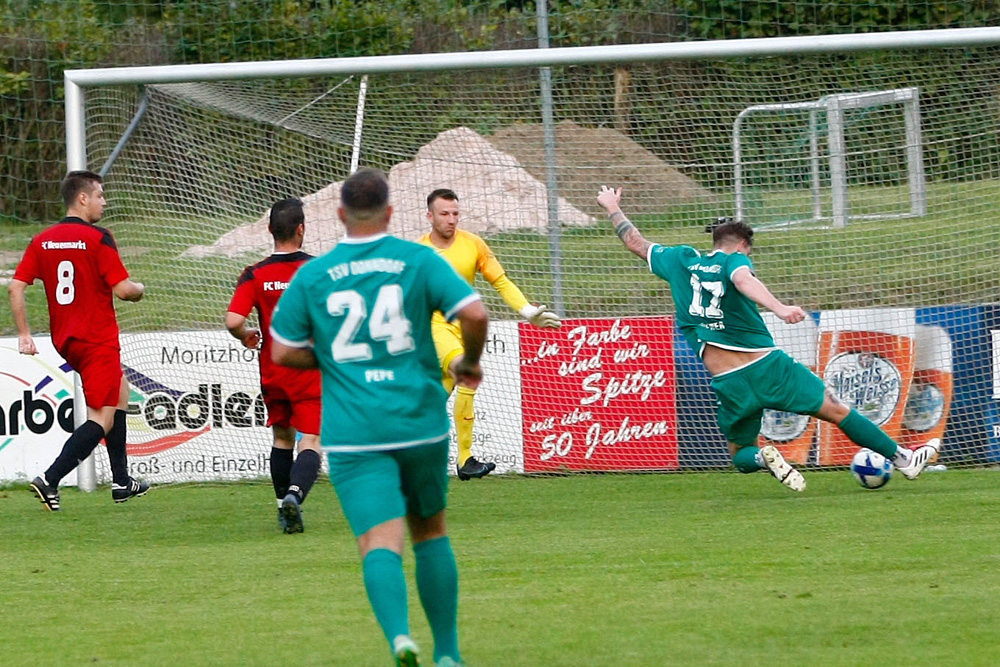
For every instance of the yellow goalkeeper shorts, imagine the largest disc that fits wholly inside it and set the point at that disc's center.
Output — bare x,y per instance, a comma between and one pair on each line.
448,343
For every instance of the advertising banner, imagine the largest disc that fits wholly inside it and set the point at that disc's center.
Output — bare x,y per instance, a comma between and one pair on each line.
866,358
496,435
599,394
36,409
195,411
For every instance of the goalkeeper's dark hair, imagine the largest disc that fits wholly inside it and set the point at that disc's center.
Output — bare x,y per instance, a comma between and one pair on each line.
441,193
365,194
286,216
77,182
727,229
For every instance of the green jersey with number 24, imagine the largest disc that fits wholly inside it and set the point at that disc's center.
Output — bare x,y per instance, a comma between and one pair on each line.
709,307
365,308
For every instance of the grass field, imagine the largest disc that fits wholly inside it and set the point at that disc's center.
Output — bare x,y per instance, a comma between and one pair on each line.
890,263
693,569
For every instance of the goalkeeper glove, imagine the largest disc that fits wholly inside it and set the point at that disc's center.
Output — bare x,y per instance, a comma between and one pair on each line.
541,317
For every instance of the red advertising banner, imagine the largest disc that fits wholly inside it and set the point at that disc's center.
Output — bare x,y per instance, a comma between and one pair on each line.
599,394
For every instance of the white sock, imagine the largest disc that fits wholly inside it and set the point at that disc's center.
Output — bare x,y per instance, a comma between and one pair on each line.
902,457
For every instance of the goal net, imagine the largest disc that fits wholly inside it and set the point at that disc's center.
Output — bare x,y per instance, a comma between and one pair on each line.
902,308
805,146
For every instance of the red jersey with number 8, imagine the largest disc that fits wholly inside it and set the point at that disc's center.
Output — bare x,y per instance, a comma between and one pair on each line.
79,264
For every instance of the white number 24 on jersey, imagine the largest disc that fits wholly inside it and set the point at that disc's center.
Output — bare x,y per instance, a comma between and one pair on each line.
387,323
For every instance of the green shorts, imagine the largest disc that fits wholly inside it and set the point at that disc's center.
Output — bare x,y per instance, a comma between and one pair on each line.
777,382
375,487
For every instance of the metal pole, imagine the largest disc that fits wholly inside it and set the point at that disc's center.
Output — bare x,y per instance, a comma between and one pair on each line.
129,131
76,158
551,177
359,122
838,161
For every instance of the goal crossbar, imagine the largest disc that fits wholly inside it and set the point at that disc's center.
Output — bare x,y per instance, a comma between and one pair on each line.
77,80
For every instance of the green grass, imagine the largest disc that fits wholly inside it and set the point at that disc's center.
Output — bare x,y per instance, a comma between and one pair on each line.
946,257
693,569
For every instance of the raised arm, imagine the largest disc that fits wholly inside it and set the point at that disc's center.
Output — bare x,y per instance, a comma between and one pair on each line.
25,343
610,200
751,287
490,267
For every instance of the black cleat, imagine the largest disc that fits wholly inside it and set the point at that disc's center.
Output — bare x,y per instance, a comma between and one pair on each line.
134,488
47,494
473,468
290,515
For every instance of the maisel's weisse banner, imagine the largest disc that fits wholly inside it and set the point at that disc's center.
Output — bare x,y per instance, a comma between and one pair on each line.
599,394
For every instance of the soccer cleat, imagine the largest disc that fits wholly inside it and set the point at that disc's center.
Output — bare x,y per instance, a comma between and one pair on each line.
133,489
405,651
919,459
447,662
47,494
781,470
290,515
473,468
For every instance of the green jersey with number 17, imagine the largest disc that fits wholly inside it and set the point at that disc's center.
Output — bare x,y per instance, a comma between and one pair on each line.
365,308
709,307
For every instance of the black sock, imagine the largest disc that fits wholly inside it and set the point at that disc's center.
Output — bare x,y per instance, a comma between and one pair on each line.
281,471
304,473
116,450
78,446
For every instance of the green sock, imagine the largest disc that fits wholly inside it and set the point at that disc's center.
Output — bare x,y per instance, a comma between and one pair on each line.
386,586
437,582
864,433
746,460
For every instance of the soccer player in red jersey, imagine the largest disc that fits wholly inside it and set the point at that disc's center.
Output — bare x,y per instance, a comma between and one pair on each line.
79,265
292,396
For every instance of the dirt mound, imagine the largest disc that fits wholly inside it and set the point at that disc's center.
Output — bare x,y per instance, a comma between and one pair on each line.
588,158
496,195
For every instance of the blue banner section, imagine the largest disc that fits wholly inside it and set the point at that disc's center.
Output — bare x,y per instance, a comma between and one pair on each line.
972,434
699,439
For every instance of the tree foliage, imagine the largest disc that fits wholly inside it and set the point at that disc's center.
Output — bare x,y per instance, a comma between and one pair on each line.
40,39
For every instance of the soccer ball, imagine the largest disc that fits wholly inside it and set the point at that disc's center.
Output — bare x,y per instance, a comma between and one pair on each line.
871,469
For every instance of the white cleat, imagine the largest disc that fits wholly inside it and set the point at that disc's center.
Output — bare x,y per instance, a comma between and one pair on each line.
405,651
781,470
919,459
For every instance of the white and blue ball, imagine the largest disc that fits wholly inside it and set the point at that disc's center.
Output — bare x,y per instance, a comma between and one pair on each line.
871,469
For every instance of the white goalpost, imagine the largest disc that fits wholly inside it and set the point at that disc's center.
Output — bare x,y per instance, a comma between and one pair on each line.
898,130
834,110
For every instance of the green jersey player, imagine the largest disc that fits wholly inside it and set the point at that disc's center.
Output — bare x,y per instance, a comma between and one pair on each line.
362,314
716,298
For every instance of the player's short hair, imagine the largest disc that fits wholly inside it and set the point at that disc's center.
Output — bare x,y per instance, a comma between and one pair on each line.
732,230
365,194
441,193
286,216
77,182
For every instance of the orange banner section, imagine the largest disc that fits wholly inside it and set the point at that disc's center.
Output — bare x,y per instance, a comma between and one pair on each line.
866,358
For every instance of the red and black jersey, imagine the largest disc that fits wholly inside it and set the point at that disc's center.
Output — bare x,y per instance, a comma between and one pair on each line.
79,264
260,286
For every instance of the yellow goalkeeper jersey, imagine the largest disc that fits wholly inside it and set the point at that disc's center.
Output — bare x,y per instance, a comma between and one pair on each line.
469,254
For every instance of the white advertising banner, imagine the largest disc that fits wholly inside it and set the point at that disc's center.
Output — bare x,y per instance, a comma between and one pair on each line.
195,411
497,435
36,409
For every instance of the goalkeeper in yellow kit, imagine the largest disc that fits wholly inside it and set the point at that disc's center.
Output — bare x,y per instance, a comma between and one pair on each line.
468,254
